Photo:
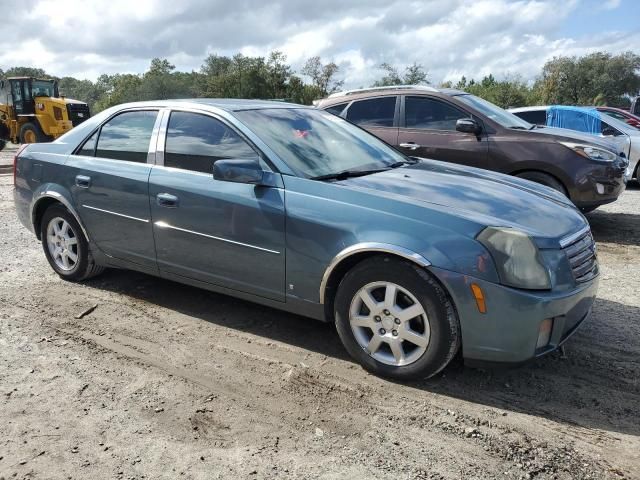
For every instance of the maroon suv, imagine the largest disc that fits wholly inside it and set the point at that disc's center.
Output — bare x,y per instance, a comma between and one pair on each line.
454,126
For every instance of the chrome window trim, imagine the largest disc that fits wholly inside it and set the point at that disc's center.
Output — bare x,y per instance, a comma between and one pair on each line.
569,239
368,247
144,220
161,224
152,152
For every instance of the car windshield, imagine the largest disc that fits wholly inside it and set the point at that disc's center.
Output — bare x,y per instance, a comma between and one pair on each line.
495,113
314,143
42,88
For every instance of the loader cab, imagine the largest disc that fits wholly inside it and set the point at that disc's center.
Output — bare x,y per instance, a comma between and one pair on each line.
21,93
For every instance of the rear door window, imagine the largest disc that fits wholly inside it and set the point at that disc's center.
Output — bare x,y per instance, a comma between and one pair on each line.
375,112
127,136
431,114
195,142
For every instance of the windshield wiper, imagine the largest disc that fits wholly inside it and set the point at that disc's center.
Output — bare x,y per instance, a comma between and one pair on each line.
344,174
517,127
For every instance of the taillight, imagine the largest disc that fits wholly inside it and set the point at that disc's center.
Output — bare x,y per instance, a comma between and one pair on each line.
15,161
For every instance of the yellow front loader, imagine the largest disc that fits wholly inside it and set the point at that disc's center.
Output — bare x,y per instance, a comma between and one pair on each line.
32,110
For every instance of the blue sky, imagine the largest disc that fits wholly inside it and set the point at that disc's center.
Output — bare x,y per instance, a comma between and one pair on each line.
595,16
450,38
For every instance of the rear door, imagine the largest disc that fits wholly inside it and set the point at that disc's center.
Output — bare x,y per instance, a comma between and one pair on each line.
377,115
428,129
224,233
109,183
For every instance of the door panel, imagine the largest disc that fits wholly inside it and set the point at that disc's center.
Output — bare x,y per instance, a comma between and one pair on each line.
229,234
112,195
225,233
429,129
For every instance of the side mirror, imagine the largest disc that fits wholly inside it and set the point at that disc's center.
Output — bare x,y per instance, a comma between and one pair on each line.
238,171
468,125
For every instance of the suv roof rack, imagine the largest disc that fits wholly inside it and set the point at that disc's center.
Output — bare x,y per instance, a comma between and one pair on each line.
377,89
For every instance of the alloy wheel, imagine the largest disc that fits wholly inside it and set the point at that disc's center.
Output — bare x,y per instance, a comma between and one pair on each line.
389,323
62,243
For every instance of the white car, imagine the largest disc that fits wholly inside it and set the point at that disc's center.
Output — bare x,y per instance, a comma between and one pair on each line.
624,136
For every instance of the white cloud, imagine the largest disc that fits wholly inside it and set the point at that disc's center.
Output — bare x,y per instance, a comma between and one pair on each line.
450,38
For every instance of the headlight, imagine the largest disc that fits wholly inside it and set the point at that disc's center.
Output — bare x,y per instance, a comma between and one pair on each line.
591,152
516,257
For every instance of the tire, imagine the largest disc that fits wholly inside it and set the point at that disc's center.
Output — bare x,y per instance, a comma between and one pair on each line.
3,144
75,270
544,179
32,133
437,330
588,209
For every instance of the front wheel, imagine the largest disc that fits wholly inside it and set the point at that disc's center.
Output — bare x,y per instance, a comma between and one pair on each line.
65,246
543,179
395,319
32,133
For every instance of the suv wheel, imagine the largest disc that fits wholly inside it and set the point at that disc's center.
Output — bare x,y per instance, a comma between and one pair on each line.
544,179
65,246
395,320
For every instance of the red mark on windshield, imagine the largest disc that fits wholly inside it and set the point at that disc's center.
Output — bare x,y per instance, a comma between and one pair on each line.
301,133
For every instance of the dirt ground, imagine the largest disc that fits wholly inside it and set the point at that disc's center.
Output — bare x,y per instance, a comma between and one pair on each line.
163,380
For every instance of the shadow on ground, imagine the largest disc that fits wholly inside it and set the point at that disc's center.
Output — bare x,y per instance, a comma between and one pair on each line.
596,385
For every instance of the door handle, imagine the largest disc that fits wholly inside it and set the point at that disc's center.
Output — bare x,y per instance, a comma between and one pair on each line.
410,145
83,181
167,200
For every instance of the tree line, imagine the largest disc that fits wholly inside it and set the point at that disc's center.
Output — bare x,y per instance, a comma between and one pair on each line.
596,79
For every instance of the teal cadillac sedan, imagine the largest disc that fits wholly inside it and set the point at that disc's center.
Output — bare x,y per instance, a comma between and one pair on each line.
287,206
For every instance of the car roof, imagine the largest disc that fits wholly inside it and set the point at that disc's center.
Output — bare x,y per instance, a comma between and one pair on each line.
348,95
529,109
228,104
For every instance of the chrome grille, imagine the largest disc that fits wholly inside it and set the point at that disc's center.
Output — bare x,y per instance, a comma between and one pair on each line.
582,258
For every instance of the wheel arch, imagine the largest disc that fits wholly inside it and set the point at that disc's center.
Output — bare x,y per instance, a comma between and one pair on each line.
352,255
43,201
516,173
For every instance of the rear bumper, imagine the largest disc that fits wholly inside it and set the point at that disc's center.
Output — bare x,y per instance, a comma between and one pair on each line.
508,332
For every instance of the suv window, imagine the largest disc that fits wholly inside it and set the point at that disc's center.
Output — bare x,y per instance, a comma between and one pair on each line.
127,136
336,109
375,112
431,114
535,117
195,142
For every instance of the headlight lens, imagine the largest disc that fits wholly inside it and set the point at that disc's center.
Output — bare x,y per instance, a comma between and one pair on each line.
591,152
516,257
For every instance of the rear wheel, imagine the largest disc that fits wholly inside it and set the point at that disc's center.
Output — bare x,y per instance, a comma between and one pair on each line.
32,133
65,246
544,179
395,319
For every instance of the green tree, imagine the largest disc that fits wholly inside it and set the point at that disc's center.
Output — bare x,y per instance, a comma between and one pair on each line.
414,74
27,72
323,76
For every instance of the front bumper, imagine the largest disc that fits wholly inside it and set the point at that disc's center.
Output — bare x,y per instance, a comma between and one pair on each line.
508,332
601,185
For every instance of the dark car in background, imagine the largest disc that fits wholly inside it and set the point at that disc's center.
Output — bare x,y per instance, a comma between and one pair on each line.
454,126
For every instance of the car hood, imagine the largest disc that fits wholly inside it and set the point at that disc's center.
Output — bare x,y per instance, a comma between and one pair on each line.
566,135
482,196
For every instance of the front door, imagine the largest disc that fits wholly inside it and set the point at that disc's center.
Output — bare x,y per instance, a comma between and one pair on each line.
223,233
429,131
109,182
